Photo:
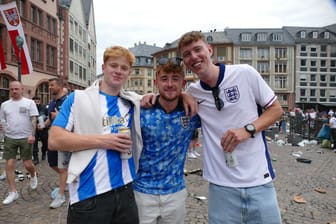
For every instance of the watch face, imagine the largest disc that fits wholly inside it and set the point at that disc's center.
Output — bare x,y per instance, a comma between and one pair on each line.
250,127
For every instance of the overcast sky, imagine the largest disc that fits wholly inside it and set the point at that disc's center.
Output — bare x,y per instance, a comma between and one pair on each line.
126,22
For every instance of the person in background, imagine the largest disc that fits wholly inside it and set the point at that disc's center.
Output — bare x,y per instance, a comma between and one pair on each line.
18,120
332,124
99,176
58,160
236,161
166,130
41,133
192,153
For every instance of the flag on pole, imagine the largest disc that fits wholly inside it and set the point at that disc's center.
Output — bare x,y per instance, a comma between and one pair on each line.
2,58
12,19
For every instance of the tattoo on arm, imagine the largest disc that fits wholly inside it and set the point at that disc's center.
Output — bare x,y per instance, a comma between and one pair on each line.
33,120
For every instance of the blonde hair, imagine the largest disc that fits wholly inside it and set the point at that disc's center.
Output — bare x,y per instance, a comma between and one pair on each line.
118,51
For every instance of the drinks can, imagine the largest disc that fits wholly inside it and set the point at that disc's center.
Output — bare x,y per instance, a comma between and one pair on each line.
125,130
41,121
230,159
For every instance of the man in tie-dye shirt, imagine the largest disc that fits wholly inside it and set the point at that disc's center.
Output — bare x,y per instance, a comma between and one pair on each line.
166,131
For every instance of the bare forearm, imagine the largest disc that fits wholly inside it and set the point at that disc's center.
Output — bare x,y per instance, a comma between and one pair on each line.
34,122
269,116
63,140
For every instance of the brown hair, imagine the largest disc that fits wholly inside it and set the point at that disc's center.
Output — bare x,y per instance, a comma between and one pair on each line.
58,81
170,68
118,51
190,37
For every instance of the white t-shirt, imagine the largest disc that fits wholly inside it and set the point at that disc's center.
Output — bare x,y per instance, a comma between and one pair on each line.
16,115
241,89
332,122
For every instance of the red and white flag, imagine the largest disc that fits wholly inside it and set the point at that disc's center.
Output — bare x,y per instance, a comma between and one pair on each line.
2,58
12,19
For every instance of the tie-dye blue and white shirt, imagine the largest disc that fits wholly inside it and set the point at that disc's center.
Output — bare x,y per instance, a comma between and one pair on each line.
106,171
166,137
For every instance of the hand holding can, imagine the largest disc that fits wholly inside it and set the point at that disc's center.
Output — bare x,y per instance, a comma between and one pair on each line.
125,130
230,159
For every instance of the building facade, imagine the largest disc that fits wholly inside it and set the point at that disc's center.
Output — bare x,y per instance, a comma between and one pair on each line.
298,63
50,38
143,73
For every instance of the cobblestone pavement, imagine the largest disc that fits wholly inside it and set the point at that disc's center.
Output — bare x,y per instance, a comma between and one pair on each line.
293,178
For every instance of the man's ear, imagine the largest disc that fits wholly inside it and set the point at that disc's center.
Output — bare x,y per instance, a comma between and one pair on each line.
184,83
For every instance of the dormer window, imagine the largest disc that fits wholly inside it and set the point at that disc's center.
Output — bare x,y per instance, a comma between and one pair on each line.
246,37
261,36
277,37
303,34
210,39
326,35
315,34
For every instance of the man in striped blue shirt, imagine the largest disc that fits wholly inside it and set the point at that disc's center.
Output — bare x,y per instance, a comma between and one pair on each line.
87,125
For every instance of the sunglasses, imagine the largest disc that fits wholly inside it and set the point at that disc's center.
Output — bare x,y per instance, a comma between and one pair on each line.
174,61
218,101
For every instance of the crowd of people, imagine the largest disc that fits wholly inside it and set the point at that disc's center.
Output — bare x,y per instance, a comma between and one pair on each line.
122,155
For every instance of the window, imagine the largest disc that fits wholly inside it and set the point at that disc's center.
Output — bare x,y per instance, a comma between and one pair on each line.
71,67
221,53
51,24
263,53
149,83
322,92
280,53
267,79
246,37
245,53
280,82
36,15
263,67
323,78
71,45
303,34
261,36
209,39
323,48
22,8
51,55
302,92
313,63
315,34
303,77
332,63
313,77
323,63
277,36
326,35
303,62
36,50
303,48
280,67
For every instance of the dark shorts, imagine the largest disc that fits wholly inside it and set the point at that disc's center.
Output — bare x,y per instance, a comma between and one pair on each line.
195,134
59,159
11,148
52,158
116,206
